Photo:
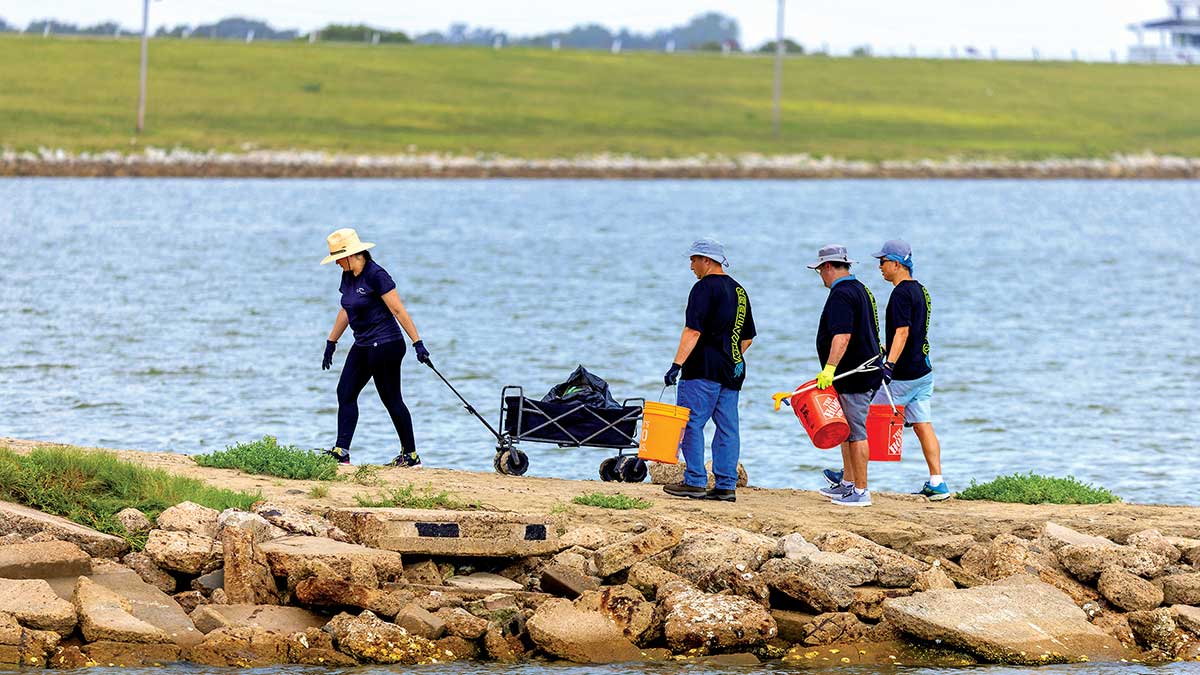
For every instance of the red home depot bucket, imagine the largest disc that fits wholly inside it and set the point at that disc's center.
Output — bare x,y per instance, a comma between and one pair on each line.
885,432
820,412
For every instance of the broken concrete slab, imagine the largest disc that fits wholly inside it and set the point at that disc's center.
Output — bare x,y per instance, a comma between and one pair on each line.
34,604
44,560
190,517
484,581
566,582
562,629
1057,536
182,551
285,620
15,518
146,603
294,521
105,615
295,556
247,578
449,533
419,621
126,654
624,554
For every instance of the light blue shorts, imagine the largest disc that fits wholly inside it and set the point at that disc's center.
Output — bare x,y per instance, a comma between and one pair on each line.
915,395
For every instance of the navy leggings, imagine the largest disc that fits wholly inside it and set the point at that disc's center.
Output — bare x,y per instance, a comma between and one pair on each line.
381,362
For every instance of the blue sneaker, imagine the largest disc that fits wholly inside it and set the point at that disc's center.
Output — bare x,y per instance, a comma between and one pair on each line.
834,477
835,491
935,494
853,498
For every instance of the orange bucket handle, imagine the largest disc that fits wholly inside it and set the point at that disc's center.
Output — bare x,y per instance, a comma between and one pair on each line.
866,367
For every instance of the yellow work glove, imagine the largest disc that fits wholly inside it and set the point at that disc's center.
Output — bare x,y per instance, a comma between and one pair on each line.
825,377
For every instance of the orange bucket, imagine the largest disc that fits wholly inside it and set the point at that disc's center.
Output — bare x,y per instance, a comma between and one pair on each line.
662,432
885,433
820,412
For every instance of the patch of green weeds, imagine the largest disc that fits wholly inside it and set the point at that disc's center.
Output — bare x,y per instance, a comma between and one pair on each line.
90,487
614,501
409,498
367,474
267,457
319,491
1031,488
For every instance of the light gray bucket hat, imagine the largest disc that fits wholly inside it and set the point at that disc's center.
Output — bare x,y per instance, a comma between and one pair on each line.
832,253
711,249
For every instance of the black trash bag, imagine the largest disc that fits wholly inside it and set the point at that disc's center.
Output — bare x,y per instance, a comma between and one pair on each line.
582,387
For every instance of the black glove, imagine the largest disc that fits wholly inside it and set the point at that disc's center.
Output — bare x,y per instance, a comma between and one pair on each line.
330,345
672,375
887,367
422,353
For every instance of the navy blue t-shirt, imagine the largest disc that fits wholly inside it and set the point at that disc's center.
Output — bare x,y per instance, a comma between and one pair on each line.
910,306
370,319
719,308
850,308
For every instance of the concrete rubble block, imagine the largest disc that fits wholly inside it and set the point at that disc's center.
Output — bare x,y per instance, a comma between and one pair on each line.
298,557
240,646
562,629
208,583
949,546
297,522
1116,625
1056,536
1087,561
794,546
1008,556
423,572
500,647
589,537
667,474
457,649
1128,591
69,657
43,561
461,623
834,627
498,602
370,639
332,592
190,517
625,607
868,601
20,646
1020,623
896,570
1181,589
621,555
133,520
803,581
34,604
961,577
314,647
648,578
130,654
27,522
185,552
218,597
147,603
1187,618
724,560
12,538
790,624
188,601
932,579
566,582
1154,541
1156,629
259,527
150,572
694,619
206,619
450,533
283,620
484,581
577,558
418,621
105,615
248,578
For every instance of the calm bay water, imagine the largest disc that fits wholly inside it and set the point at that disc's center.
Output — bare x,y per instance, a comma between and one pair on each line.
188,315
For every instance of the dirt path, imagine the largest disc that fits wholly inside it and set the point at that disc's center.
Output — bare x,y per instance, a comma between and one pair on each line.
894,520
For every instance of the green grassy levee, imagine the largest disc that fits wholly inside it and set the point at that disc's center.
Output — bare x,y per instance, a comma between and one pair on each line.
90,487
80,95
267,457
1031,488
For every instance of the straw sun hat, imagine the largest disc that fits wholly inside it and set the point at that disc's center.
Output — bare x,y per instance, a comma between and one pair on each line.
343,243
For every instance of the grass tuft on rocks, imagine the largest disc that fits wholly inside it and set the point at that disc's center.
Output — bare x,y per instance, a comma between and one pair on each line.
407,497
267,457
614,501
1032,488
90,487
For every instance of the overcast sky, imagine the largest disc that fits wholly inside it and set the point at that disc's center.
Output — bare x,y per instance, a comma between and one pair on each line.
1014,27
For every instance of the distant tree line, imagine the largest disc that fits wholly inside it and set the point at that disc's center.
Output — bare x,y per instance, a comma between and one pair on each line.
706,31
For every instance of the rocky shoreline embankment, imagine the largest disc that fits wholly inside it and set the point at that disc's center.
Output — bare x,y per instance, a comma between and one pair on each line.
340,586
157,163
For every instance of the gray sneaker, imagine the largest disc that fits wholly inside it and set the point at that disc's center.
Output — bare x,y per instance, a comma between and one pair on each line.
836,491
853,499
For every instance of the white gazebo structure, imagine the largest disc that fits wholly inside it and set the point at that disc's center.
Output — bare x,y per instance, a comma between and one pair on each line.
1178,36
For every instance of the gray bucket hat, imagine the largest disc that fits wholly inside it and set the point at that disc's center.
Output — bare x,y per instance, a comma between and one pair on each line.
711,249
832,253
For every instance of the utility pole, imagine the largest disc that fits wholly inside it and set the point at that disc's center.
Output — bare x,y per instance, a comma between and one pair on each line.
779,52
141,111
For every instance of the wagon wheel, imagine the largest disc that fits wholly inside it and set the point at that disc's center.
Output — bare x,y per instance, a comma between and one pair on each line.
514,462
634,471
607,472
497,464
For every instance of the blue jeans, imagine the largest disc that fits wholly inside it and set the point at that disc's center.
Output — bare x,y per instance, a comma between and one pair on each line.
707,399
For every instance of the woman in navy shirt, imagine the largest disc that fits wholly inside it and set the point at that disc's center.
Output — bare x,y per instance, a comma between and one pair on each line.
372,309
